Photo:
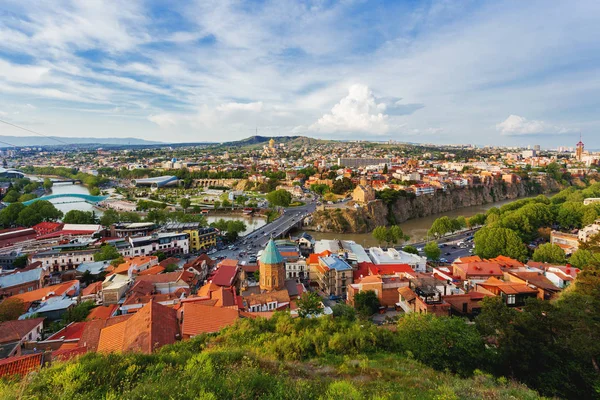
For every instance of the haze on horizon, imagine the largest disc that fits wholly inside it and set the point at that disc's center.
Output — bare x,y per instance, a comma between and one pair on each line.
490,72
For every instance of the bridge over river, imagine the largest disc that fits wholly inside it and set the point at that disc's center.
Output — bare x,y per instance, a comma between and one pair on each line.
69,198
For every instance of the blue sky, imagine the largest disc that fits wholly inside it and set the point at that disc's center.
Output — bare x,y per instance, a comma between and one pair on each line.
481,72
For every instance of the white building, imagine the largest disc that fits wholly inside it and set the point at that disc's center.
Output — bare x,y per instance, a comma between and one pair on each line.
392,256
168,243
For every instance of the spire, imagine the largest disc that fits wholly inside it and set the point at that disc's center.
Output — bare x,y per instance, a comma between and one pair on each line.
271,254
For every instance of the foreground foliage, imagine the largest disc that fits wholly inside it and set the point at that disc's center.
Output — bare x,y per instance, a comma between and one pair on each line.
277,359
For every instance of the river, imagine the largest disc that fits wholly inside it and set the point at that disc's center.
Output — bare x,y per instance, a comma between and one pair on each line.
252,223
65,204
415,228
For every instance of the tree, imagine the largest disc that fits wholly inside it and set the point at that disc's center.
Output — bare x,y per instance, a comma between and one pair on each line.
95,191
309,304
10,214
171,267
570,215
109,218
78,217
161,256
549,253
344,311
444,343
47,184
385,169
21,261
584,258
441,226
380,234
319,188
106,252
226,203
39,211
411,250
395,234
11,196
256,275
132,216
432,251
492,242
281,198
459,223
343,185
11,309
366,303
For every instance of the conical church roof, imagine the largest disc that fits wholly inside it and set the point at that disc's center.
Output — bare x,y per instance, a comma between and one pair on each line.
271,254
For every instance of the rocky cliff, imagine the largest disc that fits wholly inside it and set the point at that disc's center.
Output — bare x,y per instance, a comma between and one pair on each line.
366,218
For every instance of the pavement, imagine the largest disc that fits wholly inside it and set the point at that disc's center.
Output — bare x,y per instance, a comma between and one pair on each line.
258,238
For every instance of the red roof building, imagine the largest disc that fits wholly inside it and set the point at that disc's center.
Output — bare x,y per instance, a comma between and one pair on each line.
46,227
197,319
225,275
21,365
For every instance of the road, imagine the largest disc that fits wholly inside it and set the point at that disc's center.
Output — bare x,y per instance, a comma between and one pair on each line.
259,238
448,252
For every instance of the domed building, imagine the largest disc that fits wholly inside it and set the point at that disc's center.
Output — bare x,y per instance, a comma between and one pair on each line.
271,268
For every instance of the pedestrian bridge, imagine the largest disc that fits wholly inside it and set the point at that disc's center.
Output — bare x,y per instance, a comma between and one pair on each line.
88,198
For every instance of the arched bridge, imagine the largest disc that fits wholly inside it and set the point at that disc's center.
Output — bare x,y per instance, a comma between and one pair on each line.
88,198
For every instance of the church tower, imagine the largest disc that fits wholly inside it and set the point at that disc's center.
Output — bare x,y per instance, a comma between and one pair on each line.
579,150
272,268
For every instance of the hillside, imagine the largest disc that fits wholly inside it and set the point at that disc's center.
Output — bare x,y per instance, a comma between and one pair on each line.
258,141
61,141
276,359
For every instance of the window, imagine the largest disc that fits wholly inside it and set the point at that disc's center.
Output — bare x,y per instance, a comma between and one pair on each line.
511,299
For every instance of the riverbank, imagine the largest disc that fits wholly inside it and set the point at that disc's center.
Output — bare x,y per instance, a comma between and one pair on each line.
415,215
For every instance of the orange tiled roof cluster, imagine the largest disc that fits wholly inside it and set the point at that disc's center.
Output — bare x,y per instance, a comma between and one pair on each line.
199,318
54,290
21,365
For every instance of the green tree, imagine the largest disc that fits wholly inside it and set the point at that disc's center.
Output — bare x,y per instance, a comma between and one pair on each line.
39,211
366,303
106,252
26,197
395,235
549,253
492,242
95,191
459,223
319,188
161,256
281,198
185,203
21,261
78,217
411,250
584,258
217,204
171,268
432,251
385,169
380,234
11,196
570,215
10,214
309,304
109,218
343,311
132,216
444,343
47,184
11,309
441,226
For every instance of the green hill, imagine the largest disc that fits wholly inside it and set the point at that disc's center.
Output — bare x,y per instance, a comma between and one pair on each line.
258,141
281,358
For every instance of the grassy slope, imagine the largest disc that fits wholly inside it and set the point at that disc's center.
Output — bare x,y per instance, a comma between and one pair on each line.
254,361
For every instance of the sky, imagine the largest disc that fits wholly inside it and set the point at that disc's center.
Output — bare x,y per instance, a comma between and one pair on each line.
448,71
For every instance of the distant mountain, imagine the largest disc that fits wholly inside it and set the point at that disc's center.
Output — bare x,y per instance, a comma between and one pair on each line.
262,140
23,141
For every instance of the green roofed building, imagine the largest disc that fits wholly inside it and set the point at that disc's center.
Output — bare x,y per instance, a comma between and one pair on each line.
272,268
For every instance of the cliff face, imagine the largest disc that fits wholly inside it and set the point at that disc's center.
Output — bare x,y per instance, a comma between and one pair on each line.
365,219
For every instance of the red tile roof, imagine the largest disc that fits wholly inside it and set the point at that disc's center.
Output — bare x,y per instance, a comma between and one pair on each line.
153,326
186,276
102,312
54,290
168,261
21,365
12,331
92,288
157,269
67,353
198,319
72,331
225,275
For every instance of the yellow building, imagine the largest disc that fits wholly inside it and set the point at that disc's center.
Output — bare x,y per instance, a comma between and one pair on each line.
203,238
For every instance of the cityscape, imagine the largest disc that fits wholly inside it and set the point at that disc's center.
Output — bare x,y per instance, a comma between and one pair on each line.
238,228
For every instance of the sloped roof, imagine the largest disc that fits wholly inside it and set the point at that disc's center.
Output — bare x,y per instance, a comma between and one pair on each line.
225,275
21,277
271,254
55,290
72,331
280,296
198,319
508,287
21,365
153,326
168,277
15,330
102,312
157,269
407,293
92,288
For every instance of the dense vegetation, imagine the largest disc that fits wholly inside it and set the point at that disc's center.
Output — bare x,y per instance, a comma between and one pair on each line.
18,214
281,358
91,181
509,228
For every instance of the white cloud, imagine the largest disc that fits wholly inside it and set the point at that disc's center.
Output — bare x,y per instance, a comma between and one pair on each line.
359,111
516,125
